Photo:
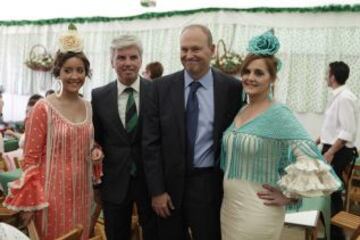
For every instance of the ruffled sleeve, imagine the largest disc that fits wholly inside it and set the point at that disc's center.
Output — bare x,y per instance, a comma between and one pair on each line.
27,193
308,175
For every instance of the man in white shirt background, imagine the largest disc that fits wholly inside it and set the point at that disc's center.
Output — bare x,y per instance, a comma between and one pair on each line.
338,133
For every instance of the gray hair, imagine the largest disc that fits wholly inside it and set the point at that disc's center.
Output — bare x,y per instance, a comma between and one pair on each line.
126,41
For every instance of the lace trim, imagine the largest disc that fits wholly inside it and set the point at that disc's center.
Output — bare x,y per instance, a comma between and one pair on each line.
26,208
308,178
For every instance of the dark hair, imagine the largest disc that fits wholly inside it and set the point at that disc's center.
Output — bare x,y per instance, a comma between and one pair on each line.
61,58
48,92
33,99
270,61
155,68
204,29
340,70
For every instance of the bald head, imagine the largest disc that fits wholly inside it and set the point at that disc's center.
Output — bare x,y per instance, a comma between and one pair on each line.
202,28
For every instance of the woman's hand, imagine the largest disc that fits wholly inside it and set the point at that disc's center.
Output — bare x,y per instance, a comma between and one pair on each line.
96,154
26,217
273,196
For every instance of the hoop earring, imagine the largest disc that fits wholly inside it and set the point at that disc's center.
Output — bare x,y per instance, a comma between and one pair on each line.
271,91
58,88
244,97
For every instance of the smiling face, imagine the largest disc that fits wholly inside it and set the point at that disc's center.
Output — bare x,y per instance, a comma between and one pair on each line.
72,74
196,52
256,78
127,63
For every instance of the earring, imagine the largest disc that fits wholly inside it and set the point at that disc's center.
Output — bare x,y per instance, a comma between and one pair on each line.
271,91
58,87
244,97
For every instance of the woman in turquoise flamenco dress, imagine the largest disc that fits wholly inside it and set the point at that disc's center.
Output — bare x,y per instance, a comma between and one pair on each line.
268,158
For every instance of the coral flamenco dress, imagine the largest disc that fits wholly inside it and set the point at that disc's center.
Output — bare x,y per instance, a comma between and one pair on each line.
58,172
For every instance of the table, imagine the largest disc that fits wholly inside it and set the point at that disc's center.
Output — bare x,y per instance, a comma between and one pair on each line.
307,219
308,209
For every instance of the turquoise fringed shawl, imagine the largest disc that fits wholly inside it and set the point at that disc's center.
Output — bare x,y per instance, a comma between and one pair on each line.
261,149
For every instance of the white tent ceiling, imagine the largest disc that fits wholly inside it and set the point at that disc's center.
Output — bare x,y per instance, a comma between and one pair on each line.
47,9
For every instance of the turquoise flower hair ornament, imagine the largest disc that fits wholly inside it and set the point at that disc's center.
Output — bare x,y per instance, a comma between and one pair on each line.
265,44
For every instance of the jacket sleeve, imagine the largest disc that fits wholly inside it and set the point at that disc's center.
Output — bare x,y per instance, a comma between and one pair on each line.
153,164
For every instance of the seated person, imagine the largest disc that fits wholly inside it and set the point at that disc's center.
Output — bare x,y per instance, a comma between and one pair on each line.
21,137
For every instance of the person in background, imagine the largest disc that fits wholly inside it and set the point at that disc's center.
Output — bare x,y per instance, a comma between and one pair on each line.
339,130
59,155
187,113
118,112
49,92
153,70
268,158
21,136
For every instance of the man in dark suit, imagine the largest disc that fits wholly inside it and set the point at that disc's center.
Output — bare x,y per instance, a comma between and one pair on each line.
187,113
117,117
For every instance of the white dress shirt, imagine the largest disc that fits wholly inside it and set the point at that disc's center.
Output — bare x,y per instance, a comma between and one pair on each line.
123,97
341,118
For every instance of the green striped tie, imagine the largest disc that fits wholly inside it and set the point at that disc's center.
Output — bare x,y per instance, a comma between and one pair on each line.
131,119
131,116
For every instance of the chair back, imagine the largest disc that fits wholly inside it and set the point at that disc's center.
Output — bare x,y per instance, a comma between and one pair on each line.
3,166
33,234
74,234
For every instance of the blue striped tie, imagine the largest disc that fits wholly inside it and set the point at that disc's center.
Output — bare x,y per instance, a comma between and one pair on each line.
192,117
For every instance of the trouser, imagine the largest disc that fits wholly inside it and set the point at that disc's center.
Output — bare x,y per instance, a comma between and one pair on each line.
199,213
342,159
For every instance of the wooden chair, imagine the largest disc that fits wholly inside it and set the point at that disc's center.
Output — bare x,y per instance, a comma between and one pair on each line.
3,166
352,190
348,221
136,231
99,231
74,234
33,234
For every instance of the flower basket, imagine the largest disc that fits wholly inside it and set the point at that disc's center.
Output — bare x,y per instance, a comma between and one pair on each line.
227,62
39,59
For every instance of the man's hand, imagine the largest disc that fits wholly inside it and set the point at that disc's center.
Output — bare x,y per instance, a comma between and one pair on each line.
162,205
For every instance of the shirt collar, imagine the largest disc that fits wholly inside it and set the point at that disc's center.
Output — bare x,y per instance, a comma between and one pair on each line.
135,85
338,90
206,81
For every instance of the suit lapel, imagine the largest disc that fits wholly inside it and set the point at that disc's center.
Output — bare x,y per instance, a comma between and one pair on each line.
142,92
178,103
113,109
220,106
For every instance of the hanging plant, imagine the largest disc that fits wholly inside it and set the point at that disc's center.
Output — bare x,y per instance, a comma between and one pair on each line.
227,62
39,59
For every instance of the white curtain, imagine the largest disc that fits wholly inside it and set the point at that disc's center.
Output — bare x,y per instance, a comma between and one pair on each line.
309,41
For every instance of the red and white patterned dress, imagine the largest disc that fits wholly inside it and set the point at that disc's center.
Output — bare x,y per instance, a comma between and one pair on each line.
58,172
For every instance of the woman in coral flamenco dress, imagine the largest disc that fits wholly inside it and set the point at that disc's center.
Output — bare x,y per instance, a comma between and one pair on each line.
268,158
60,161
